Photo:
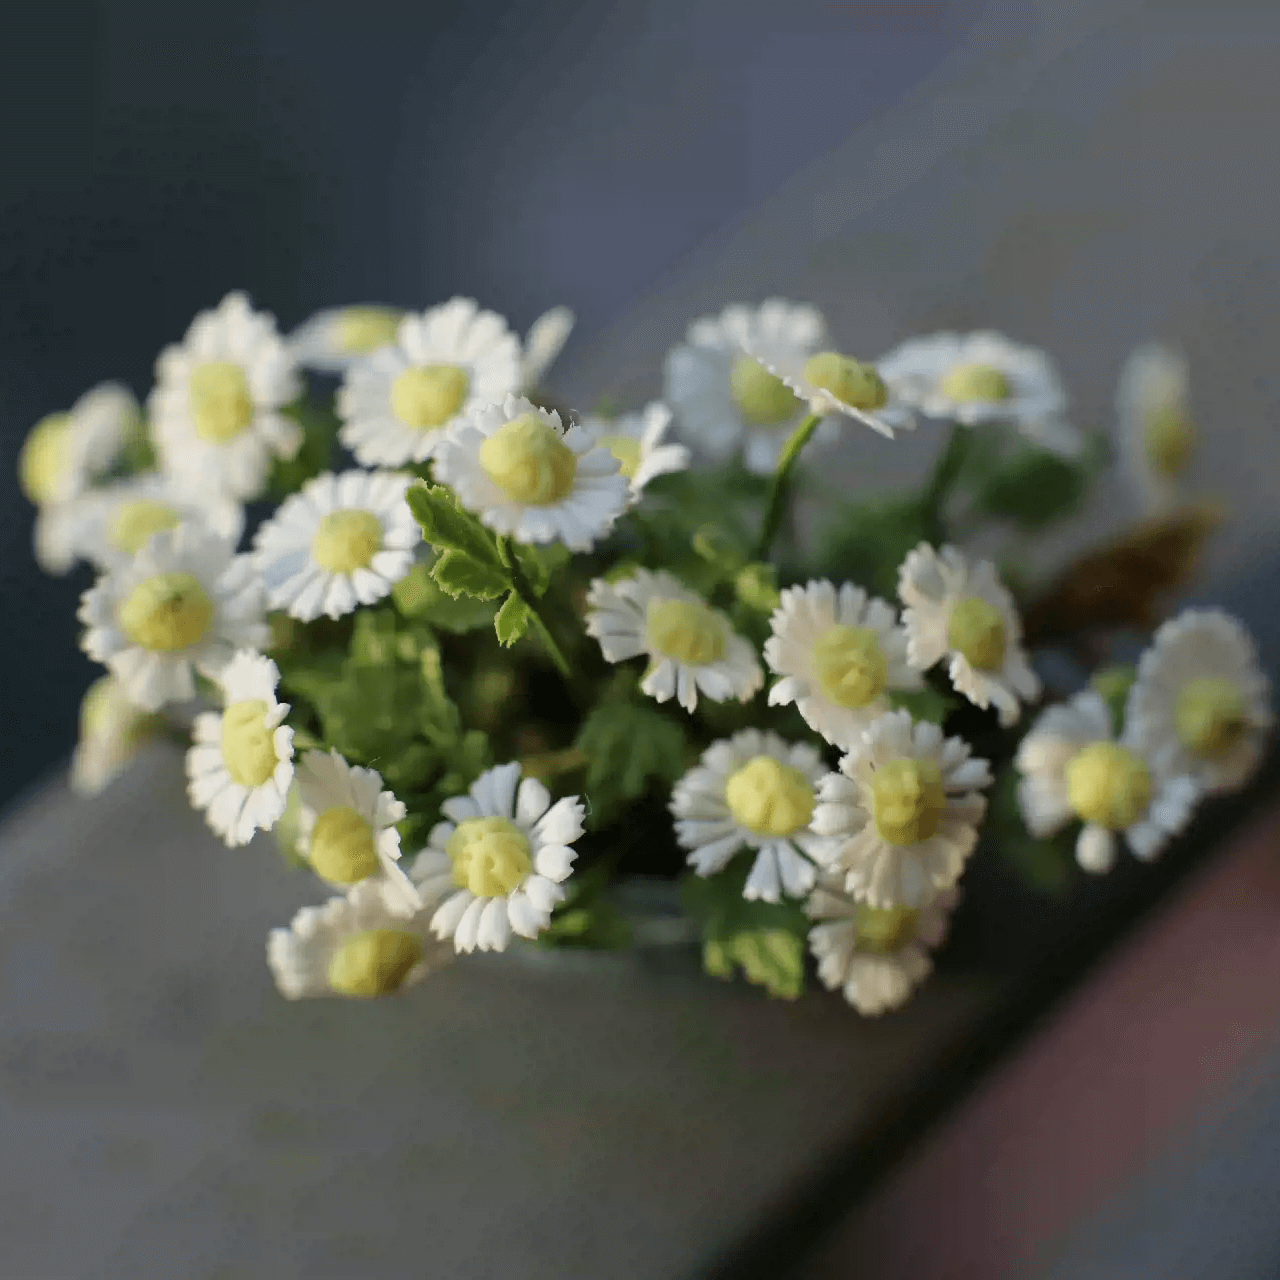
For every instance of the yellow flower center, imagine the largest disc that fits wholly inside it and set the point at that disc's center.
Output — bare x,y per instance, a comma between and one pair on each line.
908,800
1109,785
346,540
1168,437
490,856
973,383
248,746
44,457
136,521
529,462
374,963
1210,715
686,630
343,850
884,929
220,400
362,329
627,451
850,665
769,798
427,396
976,628
850,381
167,612
762,399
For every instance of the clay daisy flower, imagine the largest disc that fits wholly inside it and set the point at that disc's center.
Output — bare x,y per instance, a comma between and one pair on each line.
963,612
216,407
183,602
331,340
1157,436
1072,769
112,731
502,856
902,815
240,767
340,542
398,403
691,647
635,439
752,791
524,475
839,653
542,344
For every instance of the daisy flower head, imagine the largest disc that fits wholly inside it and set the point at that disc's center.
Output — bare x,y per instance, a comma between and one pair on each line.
240,766
498,861
1201,704
331,340
982,377
1073,769
901,817
963,611
752,791
341,541
1153,416
876,956
692,648
542,344
216,407
635,439
398,403
524,475
183,603
839,653
112,731
359,946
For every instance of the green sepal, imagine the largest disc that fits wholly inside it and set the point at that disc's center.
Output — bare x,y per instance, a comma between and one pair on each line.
512,620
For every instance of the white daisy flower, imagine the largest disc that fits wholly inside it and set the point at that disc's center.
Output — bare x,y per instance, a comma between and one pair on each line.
902,815
341,541
183,602
635,440
1156,434
523,475
240,767
982,377
112,731
752,791
542,344
347,828
331,340
691,647
963,611
1073,769
839,654
501,856
1201,704
877,956
359,946
398,403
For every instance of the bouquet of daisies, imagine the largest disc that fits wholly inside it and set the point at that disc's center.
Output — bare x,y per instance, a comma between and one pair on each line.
502,656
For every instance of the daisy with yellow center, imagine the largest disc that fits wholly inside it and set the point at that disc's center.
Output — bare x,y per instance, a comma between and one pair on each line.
1157,437
240,767
498,861
962,612
402,400
184,603
526,476
752,791
331,340
112,731
342,541
839,654
635,439
216,407
692,648
901,817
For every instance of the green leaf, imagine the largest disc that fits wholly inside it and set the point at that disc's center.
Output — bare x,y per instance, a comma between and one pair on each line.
445,524
512,620
417,596
1035,488
867,543
628,747
457,574
924,704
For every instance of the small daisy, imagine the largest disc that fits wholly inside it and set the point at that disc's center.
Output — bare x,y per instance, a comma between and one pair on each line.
691,647
635,440
752,791
963,610
498,862
112,731
340,542
332,340
398,403
1072,769
901,816
183,602
982,377
359,946
1201,705
240,767
543,343
1157,436
524,475
348,830
876,955
839,653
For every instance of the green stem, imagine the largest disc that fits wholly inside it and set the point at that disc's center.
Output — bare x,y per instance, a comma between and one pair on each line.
521,586
943,479
781,484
